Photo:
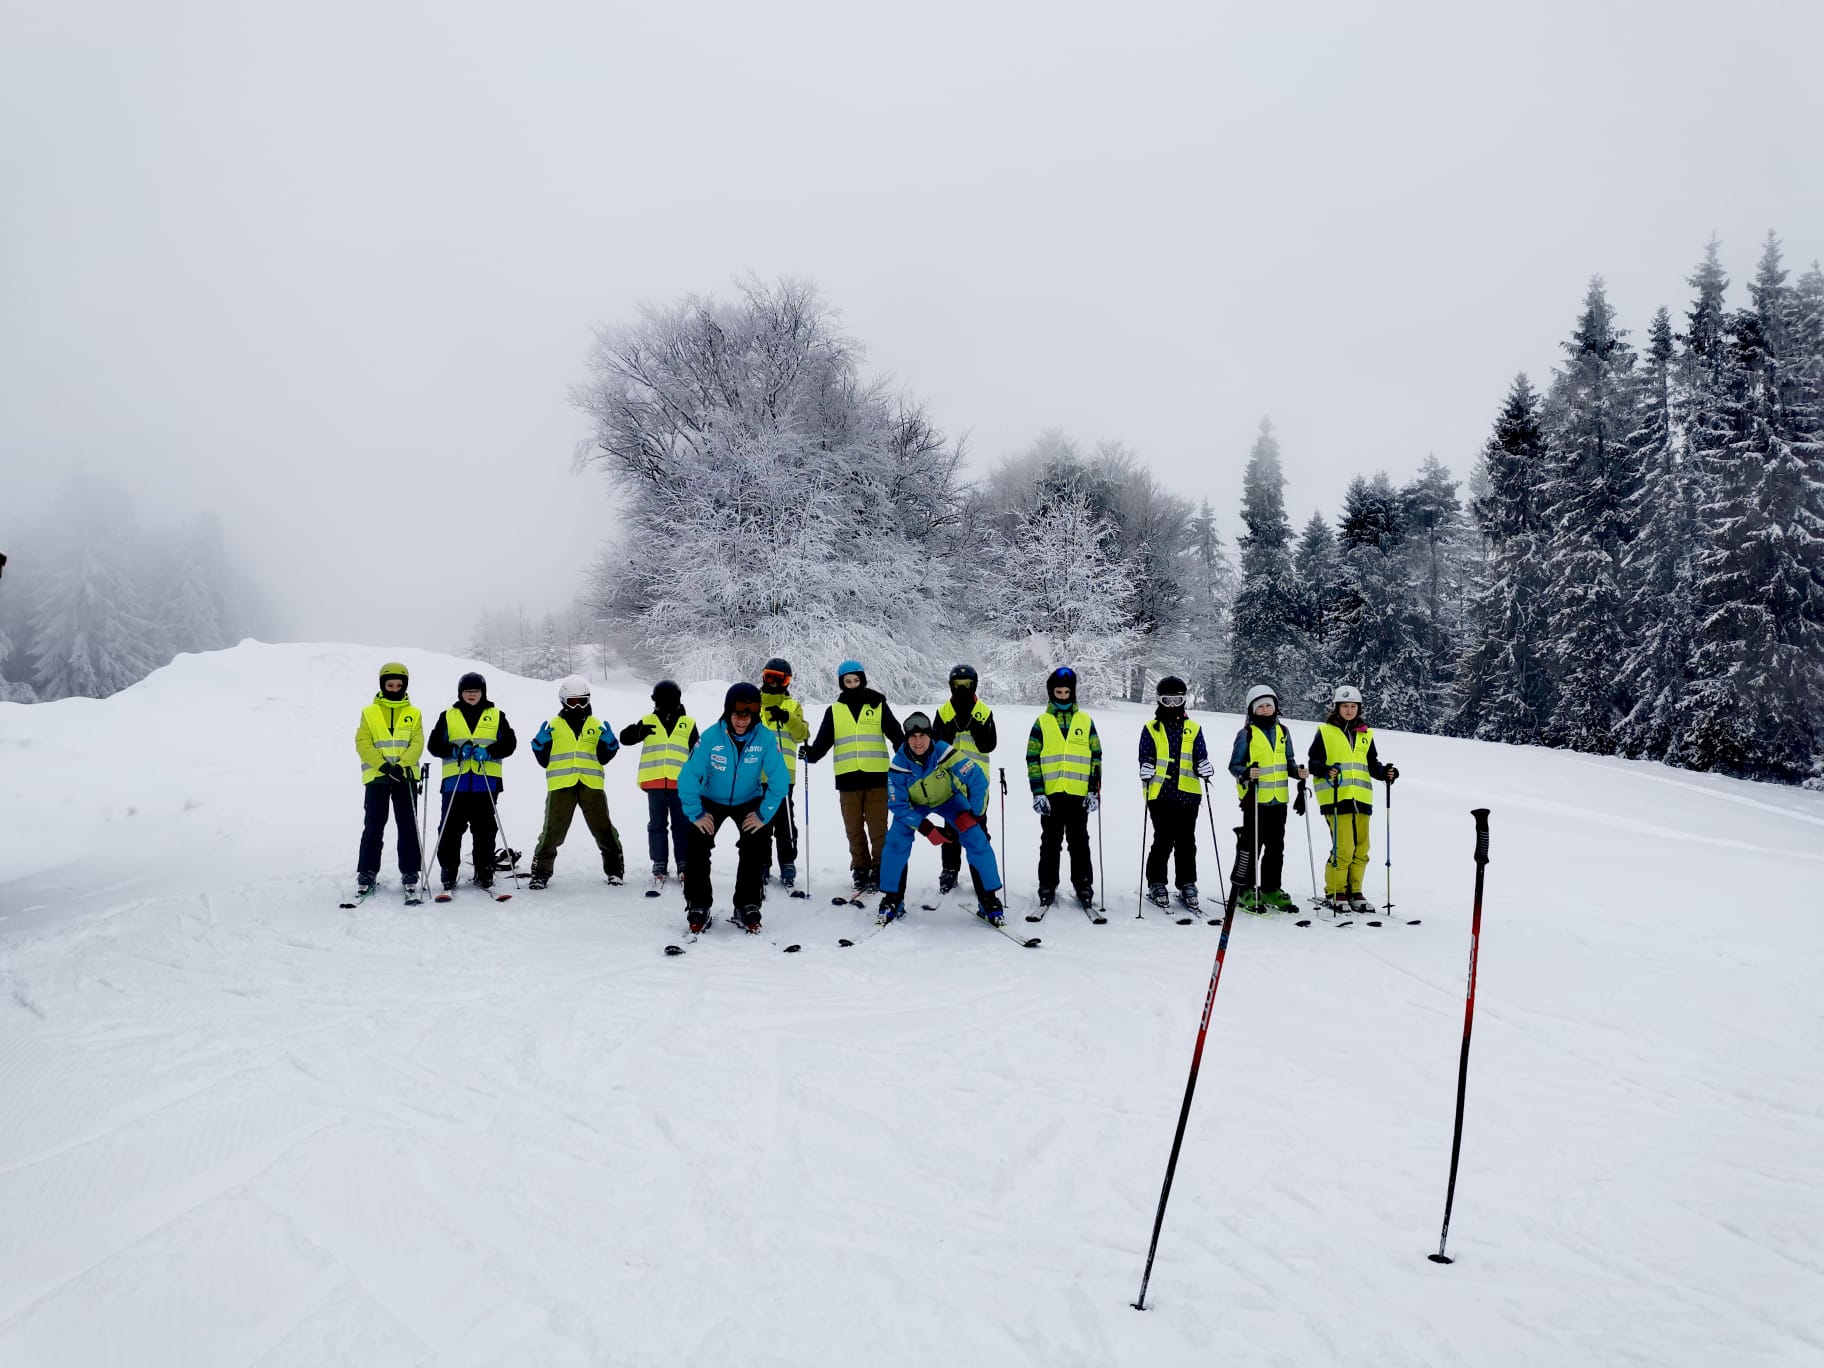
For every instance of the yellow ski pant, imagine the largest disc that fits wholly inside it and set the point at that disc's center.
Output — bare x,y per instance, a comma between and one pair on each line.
1349,830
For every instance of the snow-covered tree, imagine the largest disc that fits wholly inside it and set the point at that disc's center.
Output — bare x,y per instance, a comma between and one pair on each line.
1211,576
1437,546
92,636
1265,627
1318,568
1376,634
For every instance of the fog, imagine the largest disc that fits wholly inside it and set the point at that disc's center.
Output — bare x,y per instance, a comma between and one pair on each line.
331,269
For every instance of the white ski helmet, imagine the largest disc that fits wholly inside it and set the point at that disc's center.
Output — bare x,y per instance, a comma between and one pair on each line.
1260,691
571,686
1347,693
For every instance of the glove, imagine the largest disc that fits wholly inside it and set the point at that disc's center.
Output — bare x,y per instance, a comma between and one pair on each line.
1298,803
1147,772
465,750
1335,772
1091,803
1207,770
778,715
393,771
646,730
933,833
479,753
804,754
964,820
1041,804
1392,773
543,739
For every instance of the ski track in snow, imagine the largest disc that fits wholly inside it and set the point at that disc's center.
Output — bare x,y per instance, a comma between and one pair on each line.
246,1127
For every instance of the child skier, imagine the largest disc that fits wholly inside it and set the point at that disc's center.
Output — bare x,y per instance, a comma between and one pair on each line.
1174,762
968,724
666,736
1263,782
1064,771
1343,754
389,739
736,772
471,737
574,749
861,728
783,714
934,790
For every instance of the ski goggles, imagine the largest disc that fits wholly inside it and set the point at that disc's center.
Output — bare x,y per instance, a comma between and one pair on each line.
1172,700
579,702
744,710
774,680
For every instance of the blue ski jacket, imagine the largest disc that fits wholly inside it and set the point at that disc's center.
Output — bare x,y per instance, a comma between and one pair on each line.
728,772
907,769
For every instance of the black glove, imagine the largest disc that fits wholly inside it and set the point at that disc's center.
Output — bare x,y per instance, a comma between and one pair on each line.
804,754
778,715
647,729
1298,803
393,771
1392,774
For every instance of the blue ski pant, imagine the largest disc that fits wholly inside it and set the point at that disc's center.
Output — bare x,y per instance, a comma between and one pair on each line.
665,809
379,798
898,847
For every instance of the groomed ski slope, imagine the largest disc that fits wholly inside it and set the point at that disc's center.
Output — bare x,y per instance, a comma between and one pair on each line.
244,1127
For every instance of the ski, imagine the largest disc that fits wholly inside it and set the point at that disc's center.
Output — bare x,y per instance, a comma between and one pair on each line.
1039,916
361,896
414,895
1028,942
1089,910
658,887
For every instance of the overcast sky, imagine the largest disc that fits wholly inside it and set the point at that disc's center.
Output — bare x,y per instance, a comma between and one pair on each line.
331,267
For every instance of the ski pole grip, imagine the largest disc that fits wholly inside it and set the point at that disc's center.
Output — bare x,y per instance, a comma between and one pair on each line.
1243,874
1481,816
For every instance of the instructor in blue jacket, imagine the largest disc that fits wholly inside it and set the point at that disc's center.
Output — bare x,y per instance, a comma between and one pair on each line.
735,771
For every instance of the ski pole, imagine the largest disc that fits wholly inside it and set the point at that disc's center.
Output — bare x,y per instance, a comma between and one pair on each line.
1310,851
1215,843
1190,1084
1335,816
807,836
1101,868
1469,1016
1254,811
1387,901
1145,813
1003,802
493,806
424,805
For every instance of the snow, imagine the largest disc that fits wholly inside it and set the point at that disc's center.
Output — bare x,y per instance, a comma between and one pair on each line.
245,1127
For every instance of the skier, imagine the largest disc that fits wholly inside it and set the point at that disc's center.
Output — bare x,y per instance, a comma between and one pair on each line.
389,739
471,737
783,714
1259,763
934,787
1343,752
1174,762
1064,770
862,729
967,723
574,749
736,772
666,736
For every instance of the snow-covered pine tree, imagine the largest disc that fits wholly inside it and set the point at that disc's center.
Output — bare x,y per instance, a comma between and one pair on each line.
1059,597
1377,640
1436,544
1318,572
1594,478
1758,670
1265,626
91,635
197,611
1212,577
1504,688
1657,564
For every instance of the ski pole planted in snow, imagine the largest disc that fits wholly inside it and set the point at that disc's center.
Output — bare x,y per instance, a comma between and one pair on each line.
1387,899
1469,1017
513,868
1209,809
807,836
1101,867
1310,855
1145,813
1239,882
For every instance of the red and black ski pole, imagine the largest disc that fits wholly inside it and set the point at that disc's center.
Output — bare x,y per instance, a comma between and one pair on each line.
1239,881
1469,1017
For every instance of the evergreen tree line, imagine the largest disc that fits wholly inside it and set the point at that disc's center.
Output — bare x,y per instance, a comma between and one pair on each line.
1634,568
93,601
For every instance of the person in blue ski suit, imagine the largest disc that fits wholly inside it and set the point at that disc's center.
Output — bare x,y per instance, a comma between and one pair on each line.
721,780
935,791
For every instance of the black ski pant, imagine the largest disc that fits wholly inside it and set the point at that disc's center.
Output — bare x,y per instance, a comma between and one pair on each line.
1174,839
756,851
560,806
785,829
1068,818
471,810
1272,829
378,798
665,810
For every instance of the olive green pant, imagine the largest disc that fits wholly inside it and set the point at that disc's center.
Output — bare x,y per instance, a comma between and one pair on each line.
560,806
864,816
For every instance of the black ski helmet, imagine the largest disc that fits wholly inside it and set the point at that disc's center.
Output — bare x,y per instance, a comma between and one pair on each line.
965,676
667,691
779,665
471,680
1062,678
740,693
1171,684
915,723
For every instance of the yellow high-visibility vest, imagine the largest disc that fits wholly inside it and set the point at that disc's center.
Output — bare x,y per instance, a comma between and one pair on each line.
1356,783
1188,782
663,755
572,756
486,733
391,728
861,745
1064,758
1274,784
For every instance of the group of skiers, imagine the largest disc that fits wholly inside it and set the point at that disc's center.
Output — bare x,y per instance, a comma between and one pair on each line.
895,782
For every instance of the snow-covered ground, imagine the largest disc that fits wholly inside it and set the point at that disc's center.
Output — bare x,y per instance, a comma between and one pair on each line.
242,1126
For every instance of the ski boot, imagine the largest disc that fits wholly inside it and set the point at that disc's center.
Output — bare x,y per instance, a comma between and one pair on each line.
1279,900
872,884
1357,903
1187,898
788,877
1047,896
658,884
697,918
990,910
891,909
1086,894
1158,895
485,882
1250,900
749,918
538,881
946,881
615,880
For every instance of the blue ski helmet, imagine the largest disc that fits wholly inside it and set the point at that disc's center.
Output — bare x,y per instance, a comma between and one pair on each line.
849,667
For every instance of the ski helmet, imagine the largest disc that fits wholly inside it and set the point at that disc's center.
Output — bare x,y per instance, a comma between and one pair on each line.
667,691
472,680
851,667
744,696
963,677
1171,684
778,665
1260,691
394,670
1061,678
1347,693
571,686
917,722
